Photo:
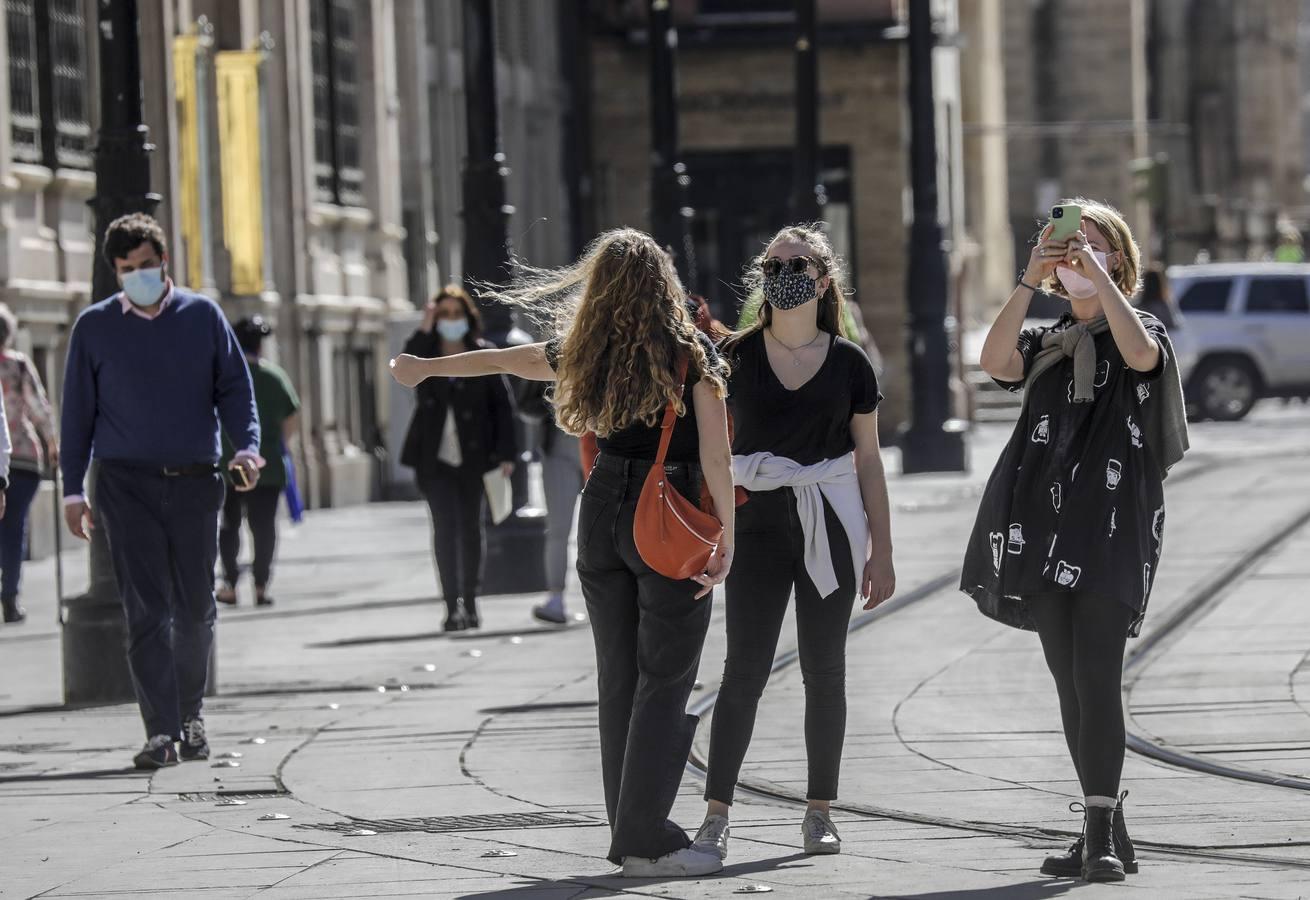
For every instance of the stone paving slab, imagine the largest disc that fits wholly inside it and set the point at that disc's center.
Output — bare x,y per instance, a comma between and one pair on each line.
354,615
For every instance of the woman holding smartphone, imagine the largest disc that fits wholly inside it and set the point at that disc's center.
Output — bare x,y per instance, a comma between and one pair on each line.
1069,532
804,405
622,334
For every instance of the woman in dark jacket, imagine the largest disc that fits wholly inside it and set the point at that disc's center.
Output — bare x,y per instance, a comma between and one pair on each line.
450,453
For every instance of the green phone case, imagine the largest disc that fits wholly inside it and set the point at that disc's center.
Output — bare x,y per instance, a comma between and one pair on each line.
1067,223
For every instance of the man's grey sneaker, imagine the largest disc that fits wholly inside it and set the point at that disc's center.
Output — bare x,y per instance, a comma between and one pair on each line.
819,833
687,863
193,744
157,753
713,837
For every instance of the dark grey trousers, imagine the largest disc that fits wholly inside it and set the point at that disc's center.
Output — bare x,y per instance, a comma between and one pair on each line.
649,631
163,538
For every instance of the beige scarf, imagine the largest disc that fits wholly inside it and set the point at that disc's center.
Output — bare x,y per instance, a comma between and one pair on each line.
1164,422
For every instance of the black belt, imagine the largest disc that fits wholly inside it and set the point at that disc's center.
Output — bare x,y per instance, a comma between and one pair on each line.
193,470
626,467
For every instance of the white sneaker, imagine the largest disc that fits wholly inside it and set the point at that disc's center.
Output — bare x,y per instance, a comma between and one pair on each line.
713,837
820,834
686,863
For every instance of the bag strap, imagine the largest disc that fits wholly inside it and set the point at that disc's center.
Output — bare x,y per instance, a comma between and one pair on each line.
671,415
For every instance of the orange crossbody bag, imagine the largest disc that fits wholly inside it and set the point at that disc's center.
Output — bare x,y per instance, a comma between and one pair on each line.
674,536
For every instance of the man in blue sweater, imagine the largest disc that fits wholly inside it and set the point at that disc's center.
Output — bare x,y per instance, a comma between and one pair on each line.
152,372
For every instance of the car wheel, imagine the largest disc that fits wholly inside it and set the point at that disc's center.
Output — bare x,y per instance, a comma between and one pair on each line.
1226,389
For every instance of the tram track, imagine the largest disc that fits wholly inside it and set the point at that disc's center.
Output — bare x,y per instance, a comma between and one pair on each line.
1177,619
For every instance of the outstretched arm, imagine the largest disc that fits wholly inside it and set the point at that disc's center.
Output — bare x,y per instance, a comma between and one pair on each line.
526,361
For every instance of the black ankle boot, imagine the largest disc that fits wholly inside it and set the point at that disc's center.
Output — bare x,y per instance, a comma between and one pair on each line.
1070,863
454,617
1123,845
12,611
1099,860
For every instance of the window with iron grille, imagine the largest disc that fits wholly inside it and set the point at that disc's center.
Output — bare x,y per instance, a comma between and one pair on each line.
49,121
334,59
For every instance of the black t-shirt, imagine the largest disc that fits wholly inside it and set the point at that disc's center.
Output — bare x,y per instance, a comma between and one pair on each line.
643,441
809,424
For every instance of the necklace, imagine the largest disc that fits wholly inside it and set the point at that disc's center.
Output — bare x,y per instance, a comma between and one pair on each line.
792,350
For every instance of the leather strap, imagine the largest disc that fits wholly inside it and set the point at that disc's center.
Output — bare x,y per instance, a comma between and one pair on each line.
671,415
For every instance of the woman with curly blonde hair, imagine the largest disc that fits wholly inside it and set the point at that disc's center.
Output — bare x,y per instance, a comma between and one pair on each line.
622,329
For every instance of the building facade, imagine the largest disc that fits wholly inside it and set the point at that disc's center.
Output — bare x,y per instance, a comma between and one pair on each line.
736,101
308,154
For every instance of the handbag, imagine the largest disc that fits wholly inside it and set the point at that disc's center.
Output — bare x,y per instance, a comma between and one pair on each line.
674,536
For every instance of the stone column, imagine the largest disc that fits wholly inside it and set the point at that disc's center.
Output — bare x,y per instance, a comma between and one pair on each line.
989,267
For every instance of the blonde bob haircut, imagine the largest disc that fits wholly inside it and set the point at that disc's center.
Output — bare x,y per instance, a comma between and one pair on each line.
1110,222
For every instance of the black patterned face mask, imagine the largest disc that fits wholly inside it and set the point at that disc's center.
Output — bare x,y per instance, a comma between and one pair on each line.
788,290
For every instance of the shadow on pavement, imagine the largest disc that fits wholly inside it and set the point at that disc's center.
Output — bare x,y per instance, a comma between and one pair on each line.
1032,890
615,885
123,774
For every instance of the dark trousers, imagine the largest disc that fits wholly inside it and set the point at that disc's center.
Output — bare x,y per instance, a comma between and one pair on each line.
163,539
1083,638
770,561
22,489
259,508
456,500
649,631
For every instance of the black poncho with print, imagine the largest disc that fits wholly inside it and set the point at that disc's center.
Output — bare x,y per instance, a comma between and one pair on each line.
1076,499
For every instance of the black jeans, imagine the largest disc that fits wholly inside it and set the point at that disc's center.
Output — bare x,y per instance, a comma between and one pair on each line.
649,631
456,500
259,507
23,486
1083,638
770,560
163,538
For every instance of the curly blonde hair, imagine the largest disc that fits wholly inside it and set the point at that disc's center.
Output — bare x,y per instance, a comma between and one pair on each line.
621,317
830,310
1111,223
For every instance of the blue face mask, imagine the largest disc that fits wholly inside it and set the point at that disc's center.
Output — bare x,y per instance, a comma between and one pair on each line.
453,329
144,287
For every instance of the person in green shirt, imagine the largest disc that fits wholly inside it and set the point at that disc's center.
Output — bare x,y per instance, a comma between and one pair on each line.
278,408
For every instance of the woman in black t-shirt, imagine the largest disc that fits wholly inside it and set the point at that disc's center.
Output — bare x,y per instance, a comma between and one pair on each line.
615,365
804,404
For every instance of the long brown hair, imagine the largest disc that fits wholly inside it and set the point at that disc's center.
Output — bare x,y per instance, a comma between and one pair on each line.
621,317
831,306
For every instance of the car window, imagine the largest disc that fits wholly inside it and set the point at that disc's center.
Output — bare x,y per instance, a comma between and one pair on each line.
1277,295
1205,295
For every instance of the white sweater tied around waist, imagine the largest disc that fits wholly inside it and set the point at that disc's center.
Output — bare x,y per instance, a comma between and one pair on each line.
833,479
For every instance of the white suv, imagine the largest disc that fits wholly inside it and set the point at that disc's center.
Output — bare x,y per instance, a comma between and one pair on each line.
1245,334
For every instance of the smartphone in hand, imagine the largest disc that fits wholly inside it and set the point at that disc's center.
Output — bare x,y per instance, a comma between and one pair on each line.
1065,221
239,477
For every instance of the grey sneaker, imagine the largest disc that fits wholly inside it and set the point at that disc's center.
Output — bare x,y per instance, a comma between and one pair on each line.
713,837
193,744
157,753
820,834
685,863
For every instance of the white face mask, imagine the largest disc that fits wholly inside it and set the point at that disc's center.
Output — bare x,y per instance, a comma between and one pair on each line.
1079,286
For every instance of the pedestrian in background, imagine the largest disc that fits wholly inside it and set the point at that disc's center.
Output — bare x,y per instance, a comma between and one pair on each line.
1156,297
1069,531
34,446
562,483
462,428
624,334
804,404
151,373
279,418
